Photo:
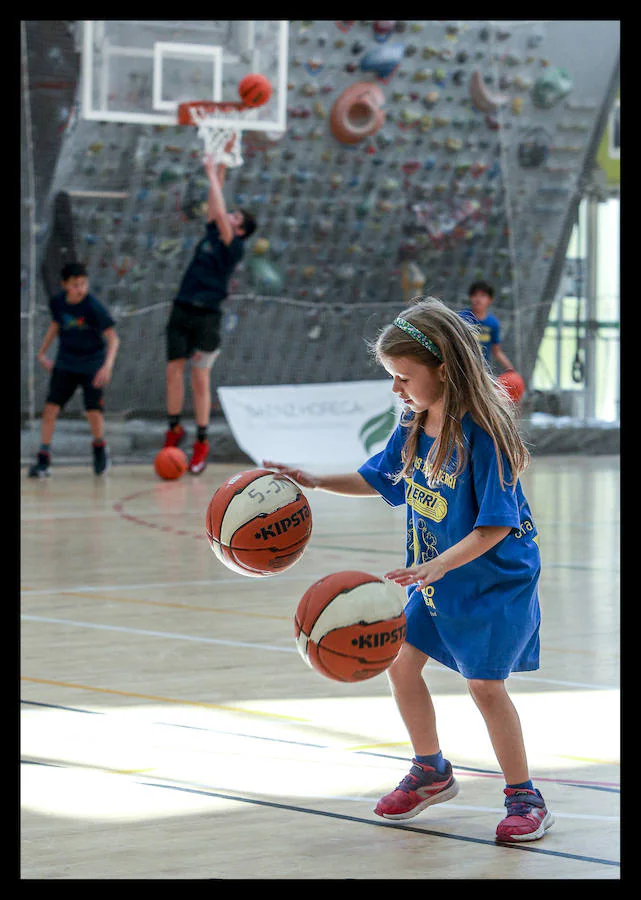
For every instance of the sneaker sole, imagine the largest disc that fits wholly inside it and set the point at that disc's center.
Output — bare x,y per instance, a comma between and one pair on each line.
197,470
441,797
39,474
547,822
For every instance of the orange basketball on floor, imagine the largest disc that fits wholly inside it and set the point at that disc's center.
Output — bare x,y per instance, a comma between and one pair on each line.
349,626
513,384
258,523
170,463
255,90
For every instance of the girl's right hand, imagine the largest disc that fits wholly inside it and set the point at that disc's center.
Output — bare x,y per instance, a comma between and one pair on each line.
46,363
297,475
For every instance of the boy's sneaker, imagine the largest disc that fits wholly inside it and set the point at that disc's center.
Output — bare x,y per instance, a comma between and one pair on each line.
199,457
101,461
422,787
42,467
174,436
527,817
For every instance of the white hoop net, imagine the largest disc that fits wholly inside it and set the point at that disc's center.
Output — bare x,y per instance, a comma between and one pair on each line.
221,142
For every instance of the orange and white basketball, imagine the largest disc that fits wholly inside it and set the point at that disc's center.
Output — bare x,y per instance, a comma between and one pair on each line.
258,523
349,626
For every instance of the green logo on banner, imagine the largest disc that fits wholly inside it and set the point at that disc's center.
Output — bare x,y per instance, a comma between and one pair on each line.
378,428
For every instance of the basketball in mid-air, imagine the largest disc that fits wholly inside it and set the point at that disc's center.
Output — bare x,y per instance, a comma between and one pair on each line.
255,90
349,626
513,384
258,523
170,463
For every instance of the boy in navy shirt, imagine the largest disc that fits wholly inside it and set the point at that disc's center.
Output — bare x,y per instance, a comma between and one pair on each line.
193,329
481,295
87,348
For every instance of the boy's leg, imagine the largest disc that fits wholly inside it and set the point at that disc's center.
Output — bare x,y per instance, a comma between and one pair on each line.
50,415
62,386
175,384
96,424
42,466
203,358
201,391
177,334
95,416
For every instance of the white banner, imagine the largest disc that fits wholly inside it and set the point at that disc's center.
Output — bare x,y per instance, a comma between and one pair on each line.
333,427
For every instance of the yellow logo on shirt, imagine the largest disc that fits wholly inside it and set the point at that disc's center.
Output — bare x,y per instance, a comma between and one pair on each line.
427,503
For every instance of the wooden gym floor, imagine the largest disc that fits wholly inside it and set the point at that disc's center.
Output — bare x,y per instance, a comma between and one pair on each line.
170,730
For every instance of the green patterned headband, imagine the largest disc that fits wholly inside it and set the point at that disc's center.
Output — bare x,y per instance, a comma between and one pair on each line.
410,329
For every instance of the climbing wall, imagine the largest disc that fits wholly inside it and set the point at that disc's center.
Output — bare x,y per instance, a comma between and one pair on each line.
418,157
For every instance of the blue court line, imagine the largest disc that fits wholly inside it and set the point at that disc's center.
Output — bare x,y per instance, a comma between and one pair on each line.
289,807
387,824
258,737
592,787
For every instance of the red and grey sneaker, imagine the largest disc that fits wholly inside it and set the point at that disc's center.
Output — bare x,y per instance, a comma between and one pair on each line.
199,457
527,817
422,787
174,436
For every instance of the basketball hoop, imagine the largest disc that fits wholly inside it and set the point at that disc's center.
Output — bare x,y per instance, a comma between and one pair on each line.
209,117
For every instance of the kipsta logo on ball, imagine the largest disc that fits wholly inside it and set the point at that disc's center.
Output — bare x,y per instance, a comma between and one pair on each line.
258,523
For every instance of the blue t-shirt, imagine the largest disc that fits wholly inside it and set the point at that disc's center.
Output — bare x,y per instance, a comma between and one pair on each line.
488,330
481,619
205,282
81,345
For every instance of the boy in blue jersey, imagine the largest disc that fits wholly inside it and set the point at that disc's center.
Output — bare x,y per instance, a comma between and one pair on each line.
87,348
472,558
481,296
193,330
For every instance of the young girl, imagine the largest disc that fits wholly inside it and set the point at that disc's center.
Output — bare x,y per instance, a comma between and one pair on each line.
472,564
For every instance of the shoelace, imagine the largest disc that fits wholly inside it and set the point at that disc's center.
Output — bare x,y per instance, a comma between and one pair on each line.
520,807
413,780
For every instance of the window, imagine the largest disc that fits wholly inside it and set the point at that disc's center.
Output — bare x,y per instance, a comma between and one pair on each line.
582,333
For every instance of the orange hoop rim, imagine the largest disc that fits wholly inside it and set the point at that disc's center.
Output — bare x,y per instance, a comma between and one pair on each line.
200,108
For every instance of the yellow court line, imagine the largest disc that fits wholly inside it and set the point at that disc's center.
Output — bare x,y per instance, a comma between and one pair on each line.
586,759
377,746
131,771
98,690
229,612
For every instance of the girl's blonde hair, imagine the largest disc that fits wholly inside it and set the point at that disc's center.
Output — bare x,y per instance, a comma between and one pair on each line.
469,387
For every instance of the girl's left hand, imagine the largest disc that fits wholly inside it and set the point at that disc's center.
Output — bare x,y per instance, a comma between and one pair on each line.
419,575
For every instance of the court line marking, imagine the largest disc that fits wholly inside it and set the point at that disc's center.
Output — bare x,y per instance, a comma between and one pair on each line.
387,824
118,507
181,606
271,804
161,634
145,586
252,615
136,696
271,647
611,786
148,772
94,592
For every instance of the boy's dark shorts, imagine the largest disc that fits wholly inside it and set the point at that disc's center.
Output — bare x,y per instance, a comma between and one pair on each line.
63,385
189,329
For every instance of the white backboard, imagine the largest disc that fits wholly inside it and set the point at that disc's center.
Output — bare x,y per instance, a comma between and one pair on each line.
139,71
